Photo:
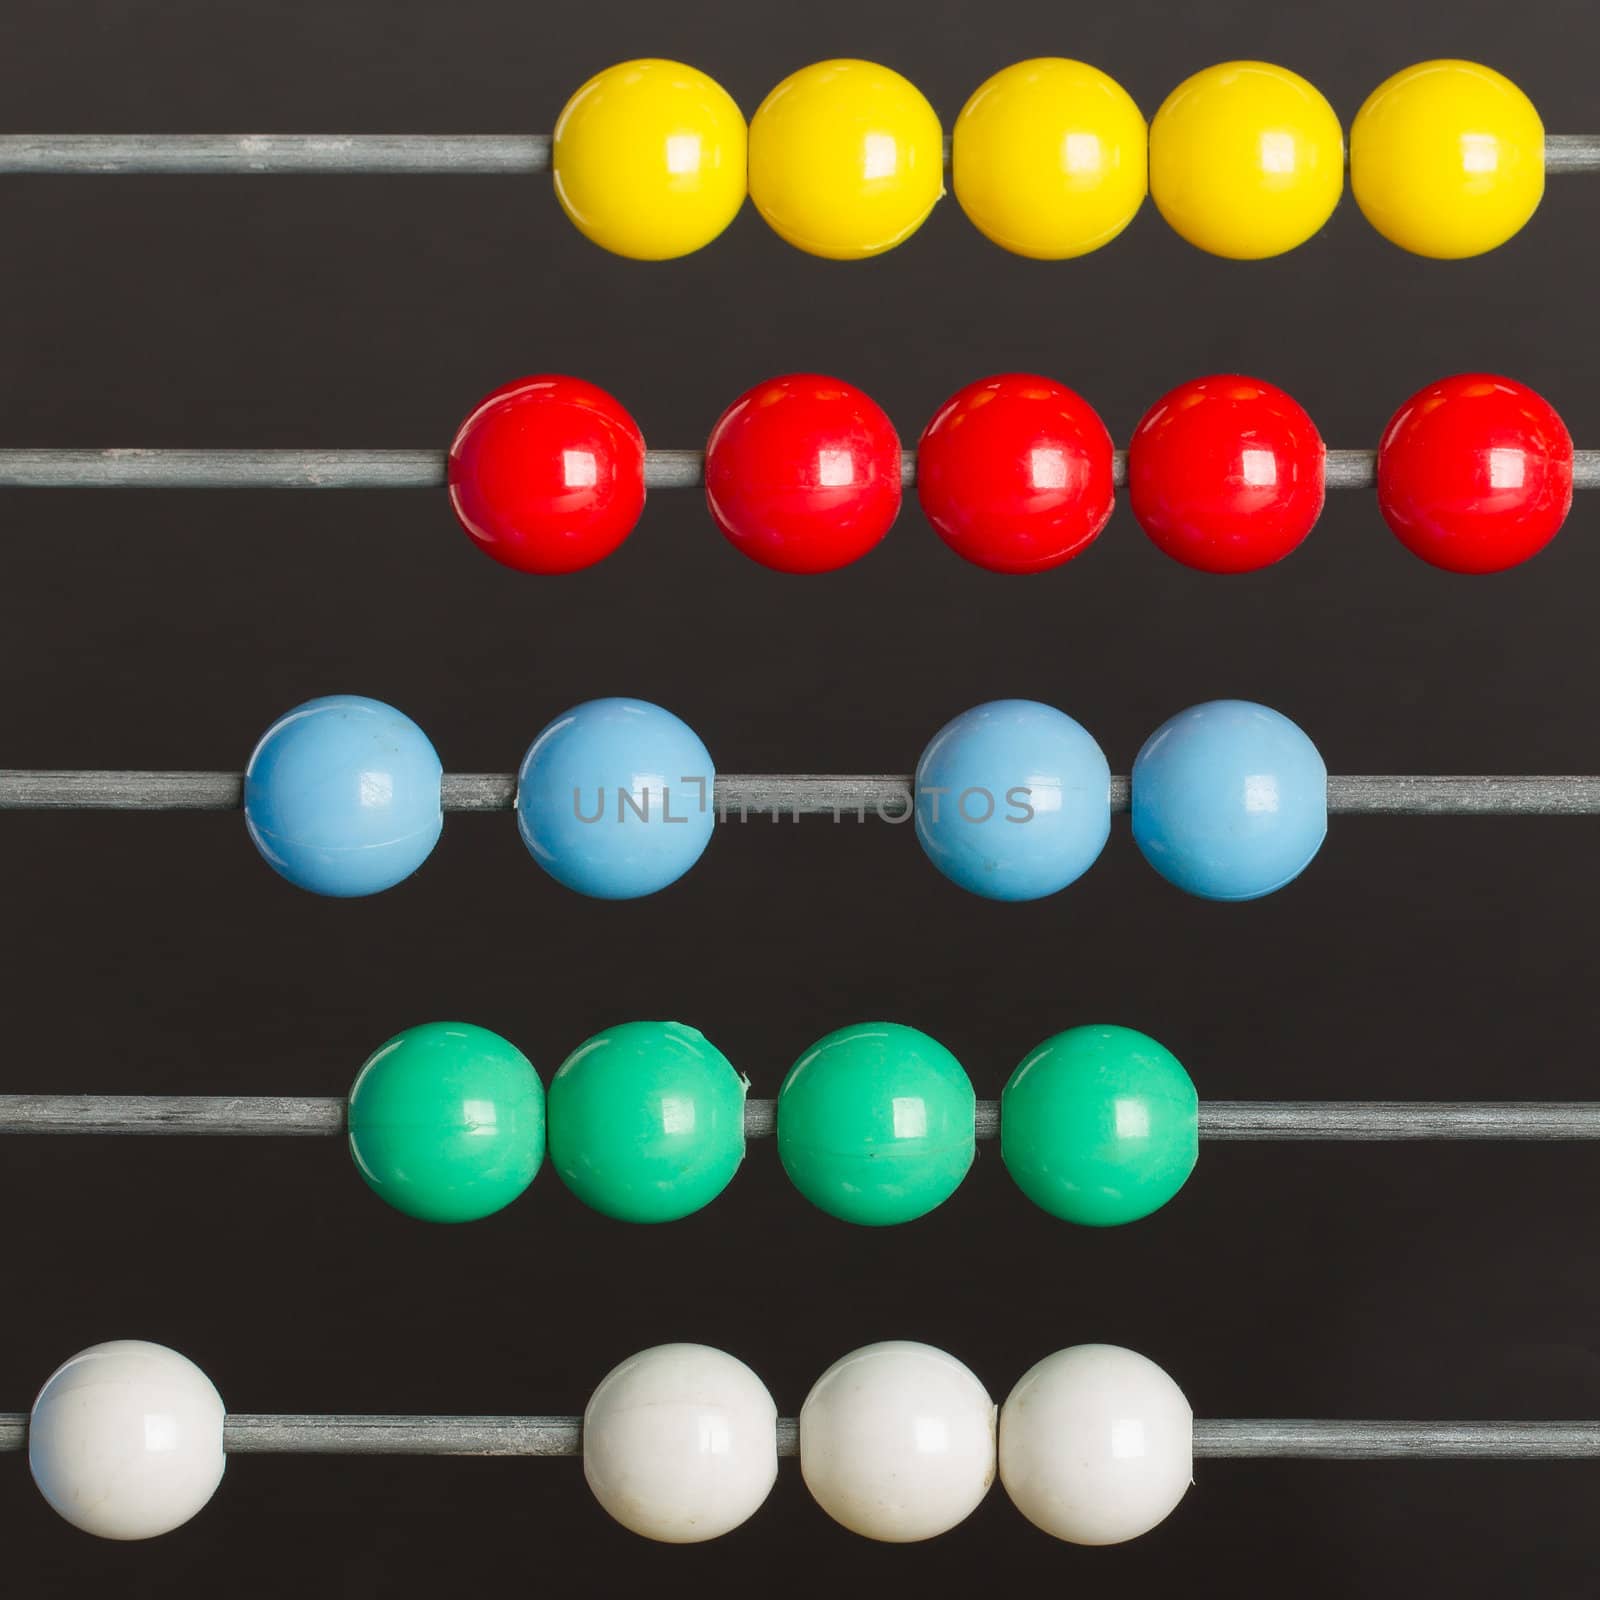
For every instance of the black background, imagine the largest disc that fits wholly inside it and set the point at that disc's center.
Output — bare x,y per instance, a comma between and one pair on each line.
1427,959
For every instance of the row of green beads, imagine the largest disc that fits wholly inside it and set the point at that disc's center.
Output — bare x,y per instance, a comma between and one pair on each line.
447,1122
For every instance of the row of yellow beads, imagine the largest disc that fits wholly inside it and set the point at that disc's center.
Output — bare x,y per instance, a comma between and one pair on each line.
1050,158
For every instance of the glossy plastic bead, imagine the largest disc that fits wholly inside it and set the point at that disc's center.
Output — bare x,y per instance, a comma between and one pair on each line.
1014,473
647,1121
680,1443
1475,473
1013,800
615,798
876,1124
547,474
1100,1126
1230,800
1049,158
846,159
125,1440
342,796
1226,474
1096,1444
1246,160
446,1122
897,1441
649,159
1447,159
803,473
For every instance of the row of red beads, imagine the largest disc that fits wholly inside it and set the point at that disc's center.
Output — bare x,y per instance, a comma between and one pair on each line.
1225,473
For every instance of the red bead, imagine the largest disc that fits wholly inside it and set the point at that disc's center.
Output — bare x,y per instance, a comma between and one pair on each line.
803,473
1014,473
547,474
1226,474
1475,473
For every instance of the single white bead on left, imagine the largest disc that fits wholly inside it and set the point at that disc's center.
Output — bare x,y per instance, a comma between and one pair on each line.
125,1440
680,1443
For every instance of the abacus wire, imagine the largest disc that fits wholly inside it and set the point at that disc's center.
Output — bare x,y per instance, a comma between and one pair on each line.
411,154
313,1116
427,469
791,795
248,1433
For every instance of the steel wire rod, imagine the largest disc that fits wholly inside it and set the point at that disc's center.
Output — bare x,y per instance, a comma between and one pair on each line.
246,1433
290,1116
426,469
887,796
413,154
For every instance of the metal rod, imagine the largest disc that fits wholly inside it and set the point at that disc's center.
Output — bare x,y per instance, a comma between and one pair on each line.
425,469
291,1116
1214,1439
450,154
887,796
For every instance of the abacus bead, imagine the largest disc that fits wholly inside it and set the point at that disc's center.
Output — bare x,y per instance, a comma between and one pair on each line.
1049,158
803,473
1246,160
1475,473
125,1440
1013,800
446,1122
647,1121
648,159
1230,800
680,1443
1096,1444
897,1441
342,796
1100,1126
846,159
876,1124
1014,473
1226,474
1447,159
614,798
547,474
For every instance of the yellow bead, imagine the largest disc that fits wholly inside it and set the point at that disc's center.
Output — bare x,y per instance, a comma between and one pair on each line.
649,159
1049,158
1246,160
846,159
1447,159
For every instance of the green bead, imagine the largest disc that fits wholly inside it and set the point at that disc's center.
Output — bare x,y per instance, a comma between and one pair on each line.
875,1124
647,1121
447,1122
1100,1125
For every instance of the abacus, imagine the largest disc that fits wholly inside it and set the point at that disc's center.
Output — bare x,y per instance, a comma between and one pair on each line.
876,1124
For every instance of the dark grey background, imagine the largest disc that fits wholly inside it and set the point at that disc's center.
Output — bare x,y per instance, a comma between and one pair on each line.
1415,959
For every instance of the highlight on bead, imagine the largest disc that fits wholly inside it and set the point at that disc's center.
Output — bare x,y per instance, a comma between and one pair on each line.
1226,474
1475,473
846,159
1230,800
1447,159
1013,800
648,159
342,796
1049,158
1246,160
547,474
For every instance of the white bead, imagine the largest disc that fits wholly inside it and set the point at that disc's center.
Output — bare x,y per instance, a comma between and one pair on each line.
1096,1444
125,1440
897,1441
680,1443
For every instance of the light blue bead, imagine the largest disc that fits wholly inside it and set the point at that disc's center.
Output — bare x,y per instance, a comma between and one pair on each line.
1230,800
615,800
1013,800
341,796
